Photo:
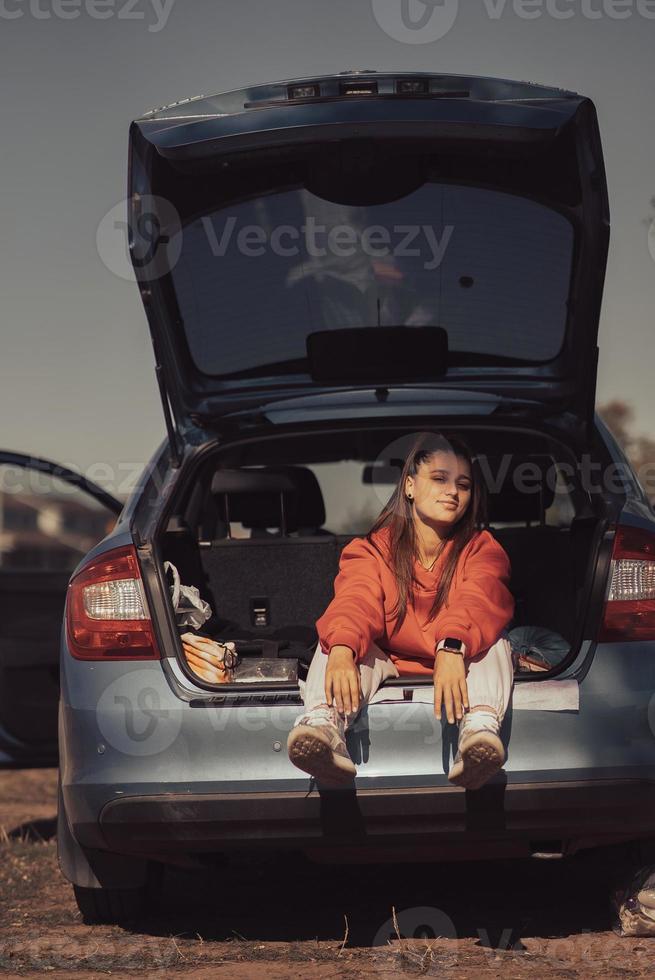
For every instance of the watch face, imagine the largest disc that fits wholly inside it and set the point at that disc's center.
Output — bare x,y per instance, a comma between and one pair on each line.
452,644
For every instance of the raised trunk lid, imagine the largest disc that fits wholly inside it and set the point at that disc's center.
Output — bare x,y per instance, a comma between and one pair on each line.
476,206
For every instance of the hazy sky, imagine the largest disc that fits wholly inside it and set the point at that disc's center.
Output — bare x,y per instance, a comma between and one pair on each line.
77,379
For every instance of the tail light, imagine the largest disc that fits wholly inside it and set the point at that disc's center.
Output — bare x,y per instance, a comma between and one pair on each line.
107,615
630,607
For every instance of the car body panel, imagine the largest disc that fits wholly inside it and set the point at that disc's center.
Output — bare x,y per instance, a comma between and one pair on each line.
263,118
213,752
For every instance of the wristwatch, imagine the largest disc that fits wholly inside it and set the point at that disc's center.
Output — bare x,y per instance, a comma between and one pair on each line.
452,644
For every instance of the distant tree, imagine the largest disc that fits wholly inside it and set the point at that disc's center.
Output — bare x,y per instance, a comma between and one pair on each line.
640,449
618,416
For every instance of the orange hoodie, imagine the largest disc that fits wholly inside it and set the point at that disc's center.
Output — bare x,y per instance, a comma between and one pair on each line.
480,604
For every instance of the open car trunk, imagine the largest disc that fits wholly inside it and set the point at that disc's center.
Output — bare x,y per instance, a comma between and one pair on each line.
372,247
258,528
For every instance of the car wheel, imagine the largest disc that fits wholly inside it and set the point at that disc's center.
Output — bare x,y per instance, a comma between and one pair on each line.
109,905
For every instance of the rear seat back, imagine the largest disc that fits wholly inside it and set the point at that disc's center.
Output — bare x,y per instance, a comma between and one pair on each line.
543,576
271,587
309,504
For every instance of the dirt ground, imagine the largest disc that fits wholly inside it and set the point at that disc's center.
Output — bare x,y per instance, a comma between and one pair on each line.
277,920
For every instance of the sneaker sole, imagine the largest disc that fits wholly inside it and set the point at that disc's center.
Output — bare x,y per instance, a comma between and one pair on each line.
483,755
312,753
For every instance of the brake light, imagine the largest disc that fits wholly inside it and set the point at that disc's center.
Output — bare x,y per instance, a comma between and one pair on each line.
107,615
630,607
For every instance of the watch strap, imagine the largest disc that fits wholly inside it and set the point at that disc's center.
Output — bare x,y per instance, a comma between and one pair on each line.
453,644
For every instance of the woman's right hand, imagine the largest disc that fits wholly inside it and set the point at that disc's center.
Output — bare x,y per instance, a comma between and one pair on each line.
450,685
342,682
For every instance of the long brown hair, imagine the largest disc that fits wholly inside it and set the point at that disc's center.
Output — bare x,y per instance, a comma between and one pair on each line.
397,516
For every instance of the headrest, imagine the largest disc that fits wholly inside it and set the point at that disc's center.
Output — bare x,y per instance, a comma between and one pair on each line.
310,505
255,497
251,481
519,488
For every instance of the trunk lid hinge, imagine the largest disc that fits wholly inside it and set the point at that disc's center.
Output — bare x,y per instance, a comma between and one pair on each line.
590,395
171,431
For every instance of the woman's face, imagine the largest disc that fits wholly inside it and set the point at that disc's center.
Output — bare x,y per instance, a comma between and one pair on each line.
441,489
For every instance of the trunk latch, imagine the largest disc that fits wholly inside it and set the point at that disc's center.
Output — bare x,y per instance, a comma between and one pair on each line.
260,611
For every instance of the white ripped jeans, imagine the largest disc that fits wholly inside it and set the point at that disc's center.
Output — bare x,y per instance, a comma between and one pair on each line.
489,677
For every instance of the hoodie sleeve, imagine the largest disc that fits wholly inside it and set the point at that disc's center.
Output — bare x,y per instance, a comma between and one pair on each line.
480,604
355,617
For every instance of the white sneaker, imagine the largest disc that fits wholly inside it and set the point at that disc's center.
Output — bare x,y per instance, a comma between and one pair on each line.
480,752
317,745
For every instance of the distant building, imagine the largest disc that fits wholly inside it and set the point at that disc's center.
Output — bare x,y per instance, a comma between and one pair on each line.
49,533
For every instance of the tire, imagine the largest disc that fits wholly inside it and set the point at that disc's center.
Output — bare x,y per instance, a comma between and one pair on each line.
110,905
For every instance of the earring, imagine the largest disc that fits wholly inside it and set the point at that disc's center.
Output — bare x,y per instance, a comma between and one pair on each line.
409,496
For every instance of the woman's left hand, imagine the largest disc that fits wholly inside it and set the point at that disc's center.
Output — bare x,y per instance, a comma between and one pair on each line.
450,685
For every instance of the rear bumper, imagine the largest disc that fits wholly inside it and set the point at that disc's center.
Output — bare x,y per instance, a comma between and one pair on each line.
501,819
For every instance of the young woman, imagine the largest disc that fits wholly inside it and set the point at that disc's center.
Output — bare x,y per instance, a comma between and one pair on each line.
425,592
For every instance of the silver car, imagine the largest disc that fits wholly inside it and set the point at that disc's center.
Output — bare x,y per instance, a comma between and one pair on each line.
328,266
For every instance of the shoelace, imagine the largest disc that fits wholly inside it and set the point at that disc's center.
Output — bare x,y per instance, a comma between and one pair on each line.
323,715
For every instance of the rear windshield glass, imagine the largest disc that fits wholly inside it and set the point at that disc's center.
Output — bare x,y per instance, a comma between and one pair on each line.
252,280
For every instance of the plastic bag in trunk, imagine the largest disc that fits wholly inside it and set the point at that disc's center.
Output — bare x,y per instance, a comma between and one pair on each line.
190,609
212,661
